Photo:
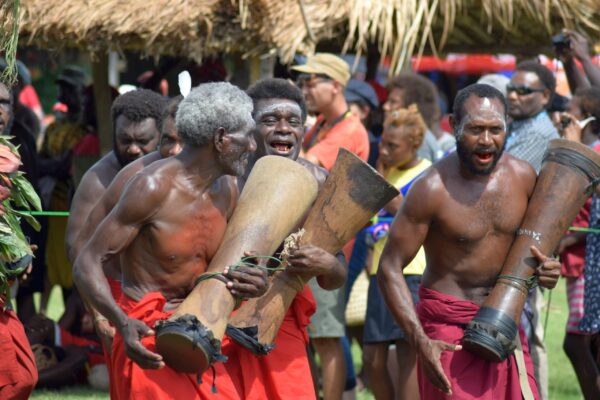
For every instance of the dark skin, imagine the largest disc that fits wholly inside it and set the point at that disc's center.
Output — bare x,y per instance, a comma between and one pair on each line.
578,49
94,183
463,260
279,131
166,228
397,149
133,139
526,106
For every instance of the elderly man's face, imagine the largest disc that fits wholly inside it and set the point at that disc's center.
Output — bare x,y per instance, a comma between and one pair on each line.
526,95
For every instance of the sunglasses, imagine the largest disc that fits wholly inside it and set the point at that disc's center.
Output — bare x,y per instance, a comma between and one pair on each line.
522,90
311,80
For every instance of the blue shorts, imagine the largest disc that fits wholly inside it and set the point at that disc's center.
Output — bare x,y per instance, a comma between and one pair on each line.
380,326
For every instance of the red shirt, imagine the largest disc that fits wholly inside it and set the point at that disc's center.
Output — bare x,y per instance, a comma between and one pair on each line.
348,133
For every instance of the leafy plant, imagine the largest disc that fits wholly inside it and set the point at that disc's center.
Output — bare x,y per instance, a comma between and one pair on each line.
15,192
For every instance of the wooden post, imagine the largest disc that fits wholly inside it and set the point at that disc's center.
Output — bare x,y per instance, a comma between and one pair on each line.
103,101
255,75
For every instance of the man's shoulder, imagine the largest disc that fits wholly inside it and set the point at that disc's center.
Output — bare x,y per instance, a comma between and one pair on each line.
349,125
318,172
101,173
517,168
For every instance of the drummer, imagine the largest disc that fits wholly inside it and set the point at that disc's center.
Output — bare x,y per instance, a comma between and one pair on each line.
465,211
279,112
166,227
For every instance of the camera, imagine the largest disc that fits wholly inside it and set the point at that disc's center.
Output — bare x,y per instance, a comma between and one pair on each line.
560,42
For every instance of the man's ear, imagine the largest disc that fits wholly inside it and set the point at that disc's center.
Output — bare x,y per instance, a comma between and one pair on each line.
220,139
547,97
452,121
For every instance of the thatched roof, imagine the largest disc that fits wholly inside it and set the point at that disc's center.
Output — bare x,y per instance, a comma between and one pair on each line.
399,27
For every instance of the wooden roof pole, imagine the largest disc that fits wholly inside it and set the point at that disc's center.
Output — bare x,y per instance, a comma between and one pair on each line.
103,101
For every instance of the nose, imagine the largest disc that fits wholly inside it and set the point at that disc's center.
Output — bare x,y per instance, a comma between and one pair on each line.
386,106
134,150
176,149
485,139
511,95
252,144
283,127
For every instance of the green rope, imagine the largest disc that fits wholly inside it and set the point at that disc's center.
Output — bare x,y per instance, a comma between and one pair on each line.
47,213
244,262
529,283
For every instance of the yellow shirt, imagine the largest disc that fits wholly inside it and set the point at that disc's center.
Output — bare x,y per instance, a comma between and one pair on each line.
399,178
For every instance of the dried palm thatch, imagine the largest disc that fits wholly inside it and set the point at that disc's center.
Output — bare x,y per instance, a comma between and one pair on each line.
9,36
153,26
400,28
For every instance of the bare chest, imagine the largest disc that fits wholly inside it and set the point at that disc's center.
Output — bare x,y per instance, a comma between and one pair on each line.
494,213
187,232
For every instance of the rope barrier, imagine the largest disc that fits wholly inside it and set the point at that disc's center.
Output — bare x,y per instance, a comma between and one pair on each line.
379,219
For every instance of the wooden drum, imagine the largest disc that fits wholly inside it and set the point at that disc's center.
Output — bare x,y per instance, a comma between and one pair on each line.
274,200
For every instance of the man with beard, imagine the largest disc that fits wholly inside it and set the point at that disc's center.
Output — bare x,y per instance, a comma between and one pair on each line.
136,121
169,144
279,113
465,211
166,227
529,93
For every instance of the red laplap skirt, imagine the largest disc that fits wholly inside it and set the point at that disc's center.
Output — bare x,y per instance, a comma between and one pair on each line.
443,318
18,373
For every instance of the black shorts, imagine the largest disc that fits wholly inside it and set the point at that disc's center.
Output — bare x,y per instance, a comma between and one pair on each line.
380,326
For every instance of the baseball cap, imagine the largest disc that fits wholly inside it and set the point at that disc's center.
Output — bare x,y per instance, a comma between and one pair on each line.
72,75
361,92
497,81
326,64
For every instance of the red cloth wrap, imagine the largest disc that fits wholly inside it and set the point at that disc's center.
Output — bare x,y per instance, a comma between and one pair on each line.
18,373
283,374
572,260
443,318
130,381
115,288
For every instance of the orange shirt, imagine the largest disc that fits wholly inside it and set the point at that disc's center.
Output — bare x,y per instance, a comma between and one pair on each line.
348,133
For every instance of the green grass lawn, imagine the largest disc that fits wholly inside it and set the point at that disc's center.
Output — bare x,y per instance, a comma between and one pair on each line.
563,383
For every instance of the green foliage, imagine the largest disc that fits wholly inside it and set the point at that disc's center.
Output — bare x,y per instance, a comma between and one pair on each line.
13,243
9,39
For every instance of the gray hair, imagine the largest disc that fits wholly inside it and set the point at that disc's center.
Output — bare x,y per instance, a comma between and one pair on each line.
211,106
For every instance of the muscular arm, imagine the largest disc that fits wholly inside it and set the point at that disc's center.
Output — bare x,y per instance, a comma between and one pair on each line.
135,207
104,206
84,201
406,236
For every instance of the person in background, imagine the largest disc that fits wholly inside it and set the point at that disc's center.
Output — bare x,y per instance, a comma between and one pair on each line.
322,80
582,124
362,101
403,133
529,94
408,88
56,179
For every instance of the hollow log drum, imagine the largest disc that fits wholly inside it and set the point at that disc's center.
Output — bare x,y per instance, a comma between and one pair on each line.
351,195
568,176
277,195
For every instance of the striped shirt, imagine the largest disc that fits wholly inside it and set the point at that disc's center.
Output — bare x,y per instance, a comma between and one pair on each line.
528,138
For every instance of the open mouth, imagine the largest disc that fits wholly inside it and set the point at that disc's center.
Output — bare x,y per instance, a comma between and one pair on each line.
484,157
282,147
